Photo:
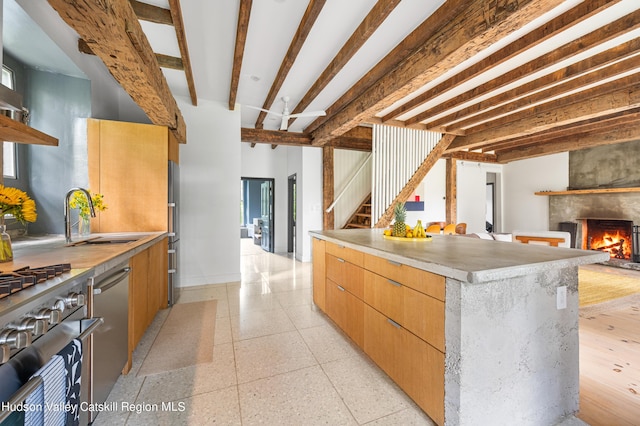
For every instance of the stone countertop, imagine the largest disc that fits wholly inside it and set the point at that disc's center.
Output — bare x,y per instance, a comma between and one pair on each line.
465,259
52,249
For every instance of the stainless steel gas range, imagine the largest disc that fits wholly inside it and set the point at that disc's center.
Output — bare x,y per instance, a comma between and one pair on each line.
42,311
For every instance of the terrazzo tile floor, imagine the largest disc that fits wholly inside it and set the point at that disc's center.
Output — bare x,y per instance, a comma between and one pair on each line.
277,360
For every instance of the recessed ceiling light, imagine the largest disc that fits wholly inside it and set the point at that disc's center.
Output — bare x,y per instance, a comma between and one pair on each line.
254,78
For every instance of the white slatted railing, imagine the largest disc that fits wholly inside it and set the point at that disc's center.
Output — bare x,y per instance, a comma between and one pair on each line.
397,154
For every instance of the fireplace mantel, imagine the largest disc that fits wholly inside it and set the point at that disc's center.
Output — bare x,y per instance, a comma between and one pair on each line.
589,191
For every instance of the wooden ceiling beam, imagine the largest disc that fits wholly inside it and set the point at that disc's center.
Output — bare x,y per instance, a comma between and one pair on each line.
563,89
164,61
244,15
617,96
310,15
472,156
622,118
114,34
277,137
468,33
376,16
575,70
571,49
178,24
567,20
412,43
151,13
603,136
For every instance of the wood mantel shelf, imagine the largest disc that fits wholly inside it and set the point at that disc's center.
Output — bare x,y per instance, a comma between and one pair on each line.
589,191
15,131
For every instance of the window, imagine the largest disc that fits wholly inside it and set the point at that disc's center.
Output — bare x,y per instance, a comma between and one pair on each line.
8,148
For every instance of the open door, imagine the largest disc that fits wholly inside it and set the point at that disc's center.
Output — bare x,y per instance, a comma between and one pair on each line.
266,210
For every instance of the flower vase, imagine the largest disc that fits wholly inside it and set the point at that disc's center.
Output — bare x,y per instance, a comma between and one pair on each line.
84,226
6,252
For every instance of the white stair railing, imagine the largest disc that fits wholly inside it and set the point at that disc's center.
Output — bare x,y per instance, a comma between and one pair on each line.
397,153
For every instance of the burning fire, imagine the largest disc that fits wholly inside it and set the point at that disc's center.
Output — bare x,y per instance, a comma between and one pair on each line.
618,245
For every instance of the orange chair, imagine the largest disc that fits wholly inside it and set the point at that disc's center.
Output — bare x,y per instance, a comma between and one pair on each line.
433,229
461,228
449,229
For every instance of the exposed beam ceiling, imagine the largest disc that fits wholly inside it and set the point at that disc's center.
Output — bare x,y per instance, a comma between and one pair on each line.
508,79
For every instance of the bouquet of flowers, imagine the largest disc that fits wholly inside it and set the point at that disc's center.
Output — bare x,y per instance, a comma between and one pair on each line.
79,201
17,203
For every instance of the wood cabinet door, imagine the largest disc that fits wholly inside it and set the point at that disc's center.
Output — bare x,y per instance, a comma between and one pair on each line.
138,293
132,161
385,295
354,319
384,342
336,303
424,317
423,376
157,291
319,272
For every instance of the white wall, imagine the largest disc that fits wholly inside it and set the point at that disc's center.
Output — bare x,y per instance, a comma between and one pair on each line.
209,194
523,209
472,186
309,200
432,191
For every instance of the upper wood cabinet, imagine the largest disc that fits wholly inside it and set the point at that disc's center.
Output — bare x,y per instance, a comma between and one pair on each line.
128,164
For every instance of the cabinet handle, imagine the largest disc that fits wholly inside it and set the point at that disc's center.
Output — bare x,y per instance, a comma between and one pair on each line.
393,323
394,263
340,288
340,260
395,283
341,247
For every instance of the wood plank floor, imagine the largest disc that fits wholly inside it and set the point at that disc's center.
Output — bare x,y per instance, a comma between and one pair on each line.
610,362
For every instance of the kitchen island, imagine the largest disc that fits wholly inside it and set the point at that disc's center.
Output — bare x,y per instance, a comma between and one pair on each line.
474,331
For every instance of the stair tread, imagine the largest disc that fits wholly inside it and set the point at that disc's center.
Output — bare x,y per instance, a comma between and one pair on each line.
364,214
355,225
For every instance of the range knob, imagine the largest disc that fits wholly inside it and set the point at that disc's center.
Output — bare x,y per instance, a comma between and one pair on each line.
52,316
36,326
15,339
73,300
5,353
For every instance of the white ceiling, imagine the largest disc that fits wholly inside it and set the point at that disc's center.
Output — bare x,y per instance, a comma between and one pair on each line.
211,31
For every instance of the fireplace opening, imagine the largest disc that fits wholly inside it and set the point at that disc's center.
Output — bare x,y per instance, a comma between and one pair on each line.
610,235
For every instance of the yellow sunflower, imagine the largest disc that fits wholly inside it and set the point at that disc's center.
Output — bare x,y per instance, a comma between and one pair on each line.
16,202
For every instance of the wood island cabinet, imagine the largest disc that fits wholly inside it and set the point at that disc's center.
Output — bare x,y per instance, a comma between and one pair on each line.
147,290
394,312
128,164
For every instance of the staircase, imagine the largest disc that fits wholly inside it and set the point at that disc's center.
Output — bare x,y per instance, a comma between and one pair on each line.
362,216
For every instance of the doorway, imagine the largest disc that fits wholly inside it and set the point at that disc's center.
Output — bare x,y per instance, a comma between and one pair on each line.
257,210
291,214
493,221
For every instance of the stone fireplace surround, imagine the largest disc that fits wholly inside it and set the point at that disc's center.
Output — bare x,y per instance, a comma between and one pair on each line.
608,166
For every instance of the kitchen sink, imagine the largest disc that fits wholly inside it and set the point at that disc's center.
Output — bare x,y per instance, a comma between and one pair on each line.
104,240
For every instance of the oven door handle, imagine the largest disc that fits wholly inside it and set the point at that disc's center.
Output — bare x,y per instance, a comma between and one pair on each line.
112,281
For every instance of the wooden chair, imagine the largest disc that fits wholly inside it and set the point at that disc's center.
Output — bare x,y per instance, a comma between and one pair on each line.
433,229
449,229
461,228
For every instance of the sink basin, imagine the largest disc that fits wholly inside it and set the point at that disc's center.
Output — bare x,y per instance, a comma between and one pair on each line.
105,240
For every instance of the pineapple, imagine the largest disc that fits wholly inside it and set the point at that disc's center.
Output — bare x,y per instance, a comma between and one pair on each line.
400,213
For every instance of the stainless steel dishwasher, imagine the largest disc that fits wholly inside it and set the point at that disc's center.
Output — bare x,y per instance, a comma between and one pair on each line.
110,342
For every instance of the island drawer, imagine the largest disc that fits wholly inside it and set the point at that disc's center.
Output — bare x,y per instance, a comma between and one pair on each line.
345,274
417,279
350,255
419,313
